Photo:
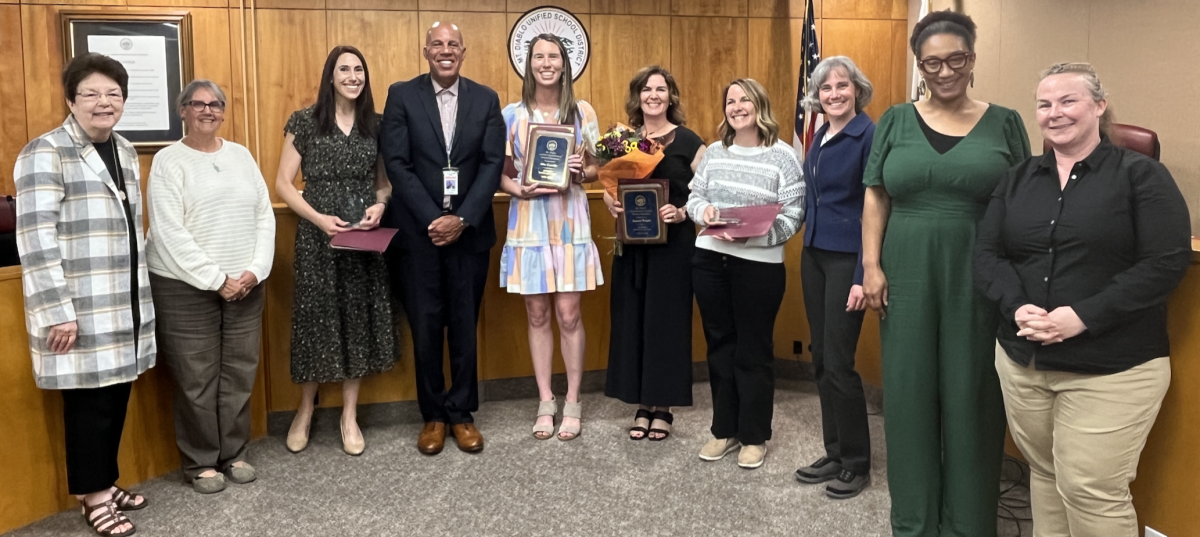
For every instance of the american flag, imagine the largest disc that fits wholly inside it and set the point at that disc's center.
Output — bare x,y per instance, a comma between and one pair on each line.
807,122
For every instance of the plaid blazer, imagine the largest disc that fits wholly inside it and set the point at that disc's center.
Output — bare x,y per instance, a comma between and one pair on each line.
74,243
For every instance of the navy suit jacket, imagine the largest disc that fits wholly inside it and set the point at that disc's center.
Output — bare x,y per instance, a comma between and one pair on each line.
413,147
833,177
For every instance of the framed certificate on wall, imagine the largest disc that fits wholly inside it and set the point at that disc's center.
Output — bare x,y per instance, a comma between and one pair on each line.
156,49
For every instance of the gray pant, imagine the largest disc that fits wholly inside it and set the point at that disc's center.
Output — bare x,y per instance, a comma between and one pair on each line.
211,348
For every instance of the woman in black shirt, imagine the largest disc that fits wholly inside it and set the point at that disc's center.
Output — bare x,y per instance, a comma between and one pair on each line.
650,349
1080,248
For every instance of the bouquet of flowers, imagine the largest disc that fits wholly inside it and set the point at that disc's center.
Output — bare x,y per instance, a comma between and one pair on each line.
625,154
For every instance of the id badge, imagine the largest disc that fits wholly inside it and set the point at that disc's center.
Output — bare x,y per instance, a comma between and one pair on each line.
450,180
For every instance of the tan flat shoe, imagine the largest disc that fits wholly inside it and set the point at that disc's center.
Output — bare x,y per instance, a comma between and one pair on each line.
354,447
297,439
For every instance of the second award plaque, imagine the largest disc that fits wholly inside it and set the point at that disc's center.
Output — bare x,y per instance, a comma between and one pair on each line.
641,223
549,146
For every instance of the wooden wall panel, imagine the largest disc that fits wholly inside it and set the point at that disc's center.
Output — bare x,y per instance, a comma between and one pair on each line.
291,53
614,61
281,4
784,8
76,2
386,40
242,85
373,5
901,83
703,66
495,6
857,9
41,40
777,67
859,40
632,7
210,43
179,3
710,8
485,36
574,6
13,134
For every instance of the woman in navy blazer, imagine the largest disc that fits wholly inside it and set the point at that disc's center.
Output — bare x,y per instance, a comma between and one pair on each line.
831,271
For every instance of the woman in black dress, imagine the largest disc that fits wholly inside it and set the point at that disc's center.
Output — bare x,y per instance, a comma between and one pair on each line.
650,351
342,317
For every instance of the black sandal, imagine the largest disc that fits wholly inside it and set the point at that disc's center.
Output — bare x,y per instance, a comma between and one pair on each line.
128,501
106,523
642,414
661,415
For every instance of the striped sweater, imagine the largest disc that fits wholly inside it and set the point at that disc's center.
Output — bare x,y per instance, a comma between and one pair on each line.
737,176
210,216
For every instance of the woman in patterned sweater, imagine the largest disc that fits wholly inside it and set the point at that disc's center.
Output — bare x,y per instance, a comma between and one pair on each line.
739,283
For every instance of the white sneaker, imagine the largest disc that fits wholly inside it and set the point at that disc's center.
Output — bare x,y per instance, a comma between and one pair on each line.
717,448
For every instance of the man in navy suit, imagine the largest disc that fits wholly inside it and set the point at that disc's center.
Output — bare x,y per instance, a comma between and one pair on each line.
442,141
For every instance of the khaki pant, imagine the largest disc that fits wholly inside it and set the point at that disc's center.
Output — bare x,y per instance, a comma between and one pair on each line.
1083,436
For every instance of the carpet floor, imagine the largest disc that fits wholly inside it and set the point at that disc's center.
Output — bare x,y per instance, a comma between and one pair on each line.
598,484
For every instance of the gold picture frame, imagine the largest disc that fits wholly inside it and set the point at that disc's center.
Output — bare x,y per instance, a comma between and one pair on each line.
159,44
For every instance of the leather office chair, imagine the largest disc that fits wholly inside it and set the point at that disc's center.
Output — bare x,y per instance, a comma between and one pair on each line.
1144,141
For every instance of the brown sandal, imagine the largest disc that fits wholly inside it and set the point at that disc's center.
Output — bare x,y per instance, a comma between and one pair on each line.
128,501
106,523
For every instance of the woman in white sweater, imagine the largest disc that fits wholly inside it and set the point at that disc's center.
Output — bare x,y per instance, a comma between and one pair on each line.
211,244
739,283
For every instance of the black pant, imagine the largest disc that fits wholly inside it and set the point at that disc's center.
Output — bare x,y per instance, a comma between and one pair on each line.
93,419
827,277
738,301
443,291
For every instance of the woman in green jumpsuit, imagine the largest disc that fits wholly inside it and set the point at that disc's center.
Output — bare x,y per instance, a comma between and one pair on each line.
932,168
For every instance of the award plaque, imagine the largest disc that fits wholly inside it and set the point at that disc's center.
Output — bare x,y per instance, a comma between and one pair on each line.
641,223
549,146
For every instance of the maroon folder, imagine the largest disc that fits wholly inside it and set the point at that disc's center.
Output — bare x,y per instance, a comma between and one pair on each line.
371,240
753,221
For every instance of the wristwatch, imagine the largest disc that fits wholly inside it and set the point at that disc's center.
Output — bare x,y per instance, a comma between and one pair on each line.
463,221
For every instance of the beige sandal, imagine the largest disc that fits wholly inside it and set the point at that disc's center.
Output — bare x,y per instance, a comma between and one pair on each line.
545,408
571,410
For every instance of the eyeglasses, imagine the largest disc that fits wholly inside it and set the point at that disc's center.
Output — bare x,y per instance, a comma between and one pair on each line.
452,47
198,106
956,61
93,97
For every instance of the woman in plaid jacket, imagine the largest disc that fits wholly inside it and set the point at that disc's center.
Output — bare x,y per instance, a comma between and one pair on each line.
88,308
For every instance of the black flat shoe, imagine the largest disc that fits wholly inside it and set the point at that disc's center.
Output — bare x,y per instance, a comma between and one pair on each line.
662,416
642,414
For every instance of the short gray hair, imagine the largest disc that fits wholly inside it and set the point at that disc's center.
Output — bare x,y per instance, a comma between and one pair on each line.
190,90
862,87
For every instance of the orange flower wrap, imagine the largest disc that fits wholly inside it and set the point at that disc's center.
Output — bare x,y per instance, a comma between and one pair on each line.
634,165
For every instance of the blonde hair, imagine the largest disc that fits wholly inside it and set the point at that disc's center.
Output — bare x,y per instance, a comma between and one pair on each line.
1087,73
568,109
764,121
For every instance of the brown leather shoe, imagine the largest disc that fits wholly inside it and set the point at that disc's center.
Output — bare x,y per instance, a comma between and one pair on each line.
433,438
469,438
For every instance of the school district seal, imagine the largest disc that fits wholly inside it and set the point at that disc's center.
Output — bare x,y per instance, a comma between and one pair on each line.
550,20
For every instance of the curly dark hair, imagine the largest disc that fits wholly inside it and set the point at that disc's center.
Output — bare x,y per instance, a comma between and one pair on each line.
89,63
942,22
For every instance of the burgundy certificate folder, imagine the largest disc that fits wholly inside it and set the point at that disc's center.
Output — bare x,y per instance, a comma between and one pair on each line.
753,221
372,240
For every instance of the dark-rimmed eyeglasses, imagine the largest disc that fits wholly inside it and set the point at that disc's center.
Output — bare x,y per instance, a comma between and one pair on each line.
198,106
933,64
